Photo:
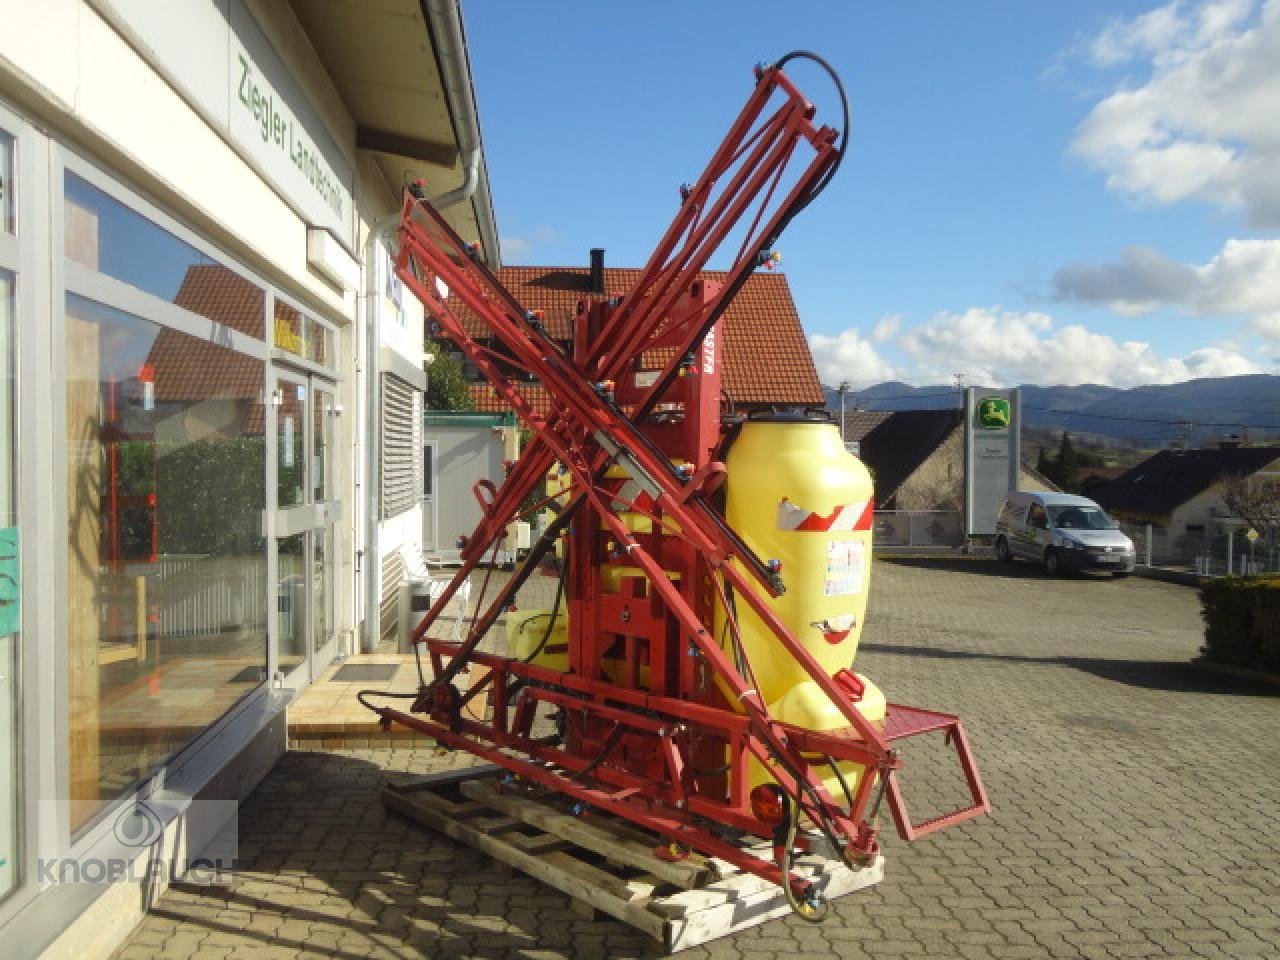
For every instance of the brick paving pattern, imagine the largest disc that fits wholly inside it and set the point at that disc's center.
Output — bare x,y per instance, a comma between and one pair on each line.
1135,804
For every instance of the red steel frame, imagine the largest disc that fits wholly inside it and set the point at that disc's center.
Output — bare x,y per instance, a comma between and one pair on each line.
651,697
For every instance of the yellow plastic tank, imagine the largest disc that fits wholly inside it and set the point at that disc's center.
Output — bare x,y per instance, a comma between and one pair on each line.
525,632
796,496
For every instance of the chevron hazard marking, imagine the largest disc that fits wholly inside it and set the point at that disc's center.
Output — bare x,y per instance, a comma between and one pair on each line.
845,518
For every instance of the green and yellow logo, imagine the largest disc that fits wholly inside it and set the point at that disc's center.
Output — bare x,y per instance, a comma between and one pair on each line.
994,413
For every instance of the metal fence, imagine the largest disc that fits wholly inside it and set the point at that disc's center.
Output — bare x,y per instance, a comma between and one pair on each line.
1225,553
918,528
200,595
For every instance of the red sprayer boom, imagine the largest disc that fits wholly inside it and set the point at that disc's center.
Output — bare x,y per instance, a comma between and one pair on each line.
690,692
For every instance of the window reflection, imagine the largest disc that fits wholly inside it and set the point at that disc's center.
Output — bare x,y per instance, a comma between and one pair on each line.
6,182
301,335
291,601
291,426
104,235
292,330
166,573
323,426
9,596
320,599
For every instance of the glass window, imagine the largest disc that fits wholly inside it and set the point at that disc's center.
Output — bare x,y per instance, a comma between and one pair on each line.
9,598
105,235
323,429
320,593
324,353
291,436
166,574
292,330
301,335
291,601
1080,518
6,182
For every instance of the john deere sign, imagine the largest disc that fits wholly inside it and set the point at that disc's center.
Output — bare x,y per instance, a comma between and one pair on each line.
994,413
991,449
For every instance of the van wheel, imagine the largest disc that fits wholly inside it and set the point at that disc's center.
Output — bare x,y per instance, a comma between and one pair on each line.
1052,565
1002,550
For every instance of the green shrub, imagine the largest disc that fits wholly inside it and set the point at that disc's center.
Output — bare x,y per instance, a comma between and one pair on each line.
1242,621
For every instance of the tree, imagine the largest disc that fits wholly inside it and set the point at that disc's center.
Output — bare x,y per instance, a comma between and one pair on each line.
1256,500
1063,468
446,383
1067,460
1044,466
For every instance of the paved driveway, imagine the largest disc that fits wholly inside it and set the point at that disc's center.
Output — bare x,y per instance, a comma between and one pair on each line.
1136,802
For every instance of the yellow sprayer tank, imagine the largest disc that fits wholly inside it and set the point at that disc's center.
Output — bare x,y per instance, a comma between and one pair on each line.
795,495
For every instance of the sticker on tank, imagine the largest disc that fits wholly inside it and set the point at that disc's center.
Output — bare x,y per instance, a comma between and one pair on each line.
845,567
850,516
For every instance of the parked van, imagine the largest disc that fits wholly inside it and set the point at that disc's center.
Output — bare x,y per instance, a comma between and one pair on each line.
1063,532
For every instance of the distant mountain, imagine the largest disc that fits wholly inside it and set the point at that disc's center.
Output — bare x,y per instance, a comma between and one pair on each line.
1151,416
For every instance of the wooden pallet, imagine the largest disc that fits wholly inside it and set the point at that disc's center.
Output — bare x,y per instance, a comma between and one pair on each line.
607,865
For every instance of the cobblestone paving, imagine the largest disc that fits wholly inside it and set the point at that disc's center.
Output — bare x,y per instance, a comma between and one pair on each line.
1135,806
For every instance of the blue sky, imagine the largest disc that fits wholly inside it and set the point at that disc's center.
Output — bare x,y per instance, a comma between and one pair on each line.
1082,192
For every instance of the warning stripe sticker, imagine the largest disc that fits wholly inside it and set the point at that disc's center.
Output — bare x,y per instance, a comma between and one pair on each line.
848,517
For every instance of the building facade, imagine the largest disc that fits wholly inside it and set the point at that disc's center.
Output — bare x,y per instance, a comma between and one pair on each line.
210,405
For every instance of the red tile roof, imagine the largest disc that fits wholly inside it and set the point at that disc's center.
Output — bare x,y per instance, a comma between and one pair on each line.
213,291
767,359
188,370
486,399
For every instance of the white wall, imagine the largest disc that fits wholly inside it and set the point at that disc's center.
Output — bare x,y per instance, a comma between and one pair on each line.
74,70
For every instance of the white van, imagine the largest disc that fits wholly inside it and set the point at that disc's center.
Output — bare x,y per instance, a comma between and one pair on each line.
1063,532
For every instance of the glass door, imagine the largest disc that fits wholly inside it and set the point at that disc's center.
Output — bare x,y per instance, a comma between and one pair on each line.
11,853
430,522
324,426
305,515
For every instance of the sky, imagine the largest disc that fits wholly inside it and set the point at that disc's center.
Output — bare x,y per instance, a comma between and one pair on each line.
1043,193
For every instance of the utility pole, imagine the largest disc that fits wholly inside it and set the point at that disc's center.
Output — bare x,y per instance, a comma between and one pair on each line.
843,390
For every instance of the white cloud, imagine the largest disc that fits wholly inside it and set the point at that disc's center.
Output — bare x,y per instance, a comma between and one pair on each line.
1204,125
1243,278
1121,41
521,248
1166,30
886,327
848,356
1000,347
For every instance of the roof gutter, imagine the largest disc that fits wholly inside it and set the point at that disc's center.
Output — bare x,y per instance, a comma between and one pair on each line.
444,20
444,23
379,234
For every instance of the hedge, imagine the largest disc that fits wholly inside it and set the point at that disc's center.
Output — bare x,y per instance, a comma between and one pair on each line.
1242,621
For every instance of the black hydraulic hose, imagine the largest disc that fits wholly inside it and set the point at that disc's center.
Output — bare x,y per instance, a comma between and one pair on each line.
606,748
847,123
737,282
532,559
844,784
816,910
551,618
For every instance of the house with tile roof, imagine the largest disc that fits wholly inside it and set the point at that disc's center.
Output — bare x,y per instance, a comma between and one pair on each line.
1180,492
916,457
766,360
203,381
